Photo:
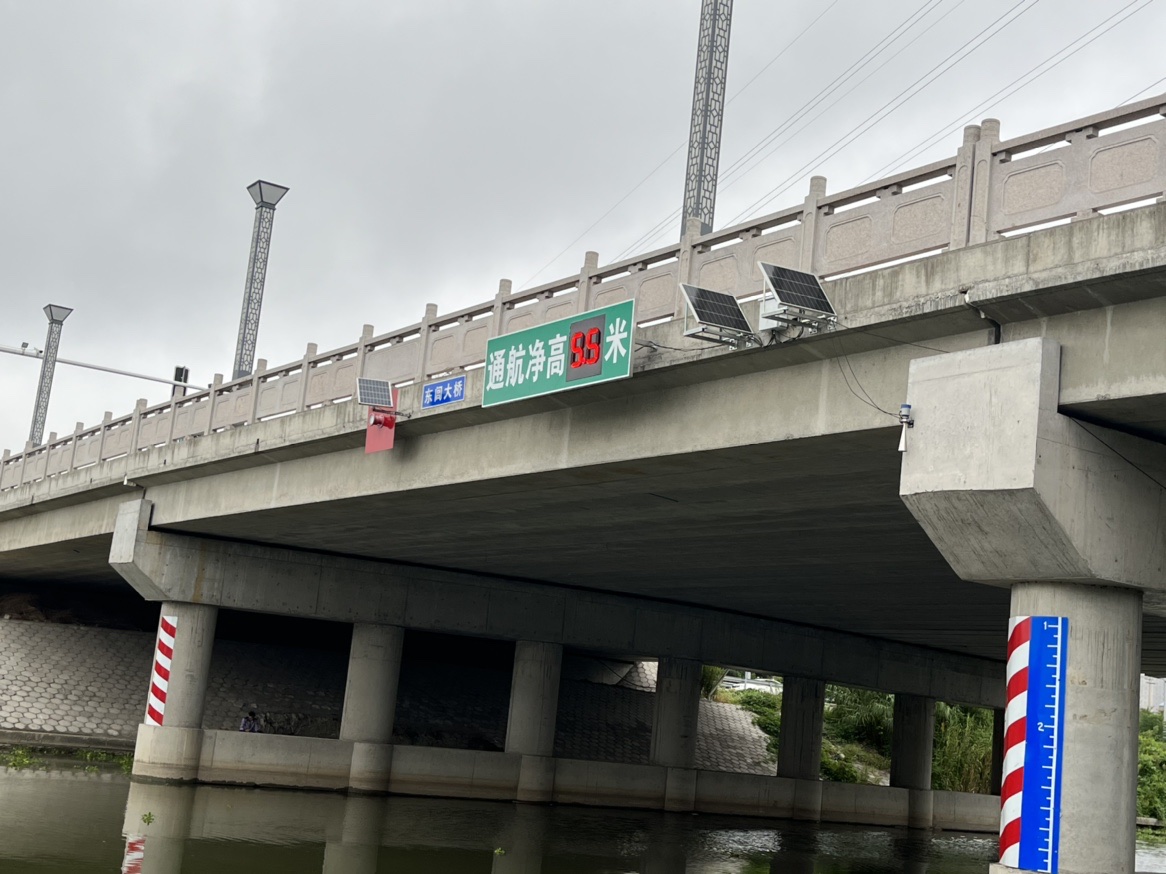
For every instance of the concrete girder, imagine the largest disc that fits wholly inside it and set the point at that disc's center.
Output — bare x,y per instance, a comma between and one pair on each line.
165,566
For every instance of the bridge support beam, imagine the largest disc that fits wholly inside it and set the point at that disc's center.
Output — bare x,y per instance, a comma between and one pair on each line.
799,754
1070,516
912,739
370,703
169,742
674,723
534,707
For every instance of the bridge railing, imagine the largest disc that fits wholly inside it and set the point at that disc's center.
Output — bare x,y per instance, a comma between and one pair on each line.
989,188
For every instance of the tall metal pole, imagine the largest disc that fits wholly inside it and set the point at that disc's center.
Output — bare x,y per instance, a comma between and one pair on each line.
708,110
56,316
266,195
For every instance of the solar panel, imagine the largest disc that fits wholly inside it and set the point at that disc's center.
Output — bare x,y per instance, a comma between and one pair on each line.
796,289
716,309
374,392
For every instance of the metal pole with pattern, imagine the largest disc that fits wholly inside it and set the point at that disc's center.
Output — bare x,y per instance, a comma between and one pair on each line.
266,195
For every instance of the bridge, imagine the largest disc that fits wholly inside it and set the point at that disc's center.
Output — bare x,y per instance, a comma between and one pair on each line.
738,507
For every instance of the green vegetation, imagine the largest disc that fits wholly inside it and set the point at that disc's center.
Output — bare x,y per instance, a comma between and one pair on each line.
856,737
18,757
89,761
1151,766
962,759
710,678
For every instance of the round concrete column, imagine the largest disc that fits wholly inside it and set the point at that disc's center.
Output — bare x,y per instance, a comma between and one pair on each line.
1100,766
370,703
674,723
799,755
912,740
534,709
360,841
171,750
191,663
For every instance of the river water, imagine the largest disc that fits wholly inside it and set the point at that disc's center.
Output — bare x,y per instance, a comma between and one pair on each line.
84,822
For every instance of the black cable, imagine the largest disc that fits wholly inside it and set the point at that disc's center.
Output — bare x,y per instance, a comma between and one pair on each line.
1124,458
988,102
867,400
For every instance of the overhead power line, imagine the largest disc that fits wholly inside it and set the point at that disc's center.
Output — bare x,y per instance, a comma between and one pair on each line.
850,72
960,54
677,150
1016,85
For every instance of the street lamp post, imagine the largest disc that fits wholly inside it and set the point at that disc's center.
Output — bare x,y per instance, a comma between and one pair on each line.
266,195
56,315
708,112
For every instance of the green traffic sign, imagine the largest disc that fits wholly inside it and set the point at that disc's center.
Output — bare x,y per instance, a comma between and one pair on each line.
590,347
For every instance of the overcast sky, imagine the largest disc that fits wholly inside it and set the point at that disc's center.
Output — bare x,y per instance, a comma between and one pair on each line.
432,148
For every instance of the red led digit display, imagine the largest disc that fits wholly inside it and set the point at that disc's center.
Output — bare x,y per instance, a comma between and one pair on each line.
585,347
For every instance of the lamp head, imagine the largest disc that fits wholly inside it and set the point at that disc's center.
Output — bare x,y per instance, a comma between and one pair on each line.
57,313
266,193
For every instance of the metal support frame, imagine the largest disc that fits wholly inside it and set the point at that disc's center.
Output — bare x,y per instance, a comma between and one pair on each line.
266,195
708,111
56,316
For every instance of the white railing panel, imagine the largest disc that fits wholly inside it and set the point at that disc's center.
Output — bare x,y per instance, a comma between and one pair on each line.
895,226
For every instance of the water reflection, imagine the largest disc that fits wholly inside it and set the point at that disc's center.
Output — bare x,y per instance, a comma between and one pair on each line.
169,830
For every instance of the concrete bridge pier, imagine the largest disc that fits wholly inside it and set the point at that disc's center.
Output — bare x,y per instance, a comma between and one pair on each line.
156,827
674,729
534,706
1069,516
912,739
171,750
799,755
370,703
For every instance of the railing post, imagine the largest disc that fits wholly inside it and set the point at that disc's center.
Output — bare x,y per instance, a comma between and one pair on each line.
77,429
426,335
305,376
684,271
366,334
24,461
961,188
978,231
213,402
807,255
136,426
504,288
256,385
590,265
105,420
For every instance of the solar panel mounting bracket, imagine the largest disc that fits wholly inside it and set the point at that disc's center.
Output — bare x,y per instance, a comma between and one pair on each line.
795,300
737,336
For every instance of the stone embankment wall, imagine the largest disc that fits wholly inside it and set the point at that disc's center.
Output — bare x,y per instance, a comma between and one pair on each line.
65,682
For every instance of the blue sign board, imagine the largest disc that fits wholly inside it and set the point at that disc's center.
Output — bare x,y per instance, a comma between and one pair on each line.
447,391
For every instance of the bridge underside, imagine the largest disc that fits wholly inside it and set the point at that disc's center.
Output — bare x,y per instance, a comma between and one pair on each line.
809,531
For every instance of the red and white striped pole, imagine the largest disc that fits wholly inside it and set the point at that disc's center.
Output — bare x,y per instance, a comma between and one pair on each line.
1015,728
160,679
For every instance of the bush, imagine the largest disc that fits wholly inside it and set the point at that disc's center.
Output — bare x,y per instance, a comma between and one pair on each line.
710,679
962,752
766,710
859,716
1152,771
